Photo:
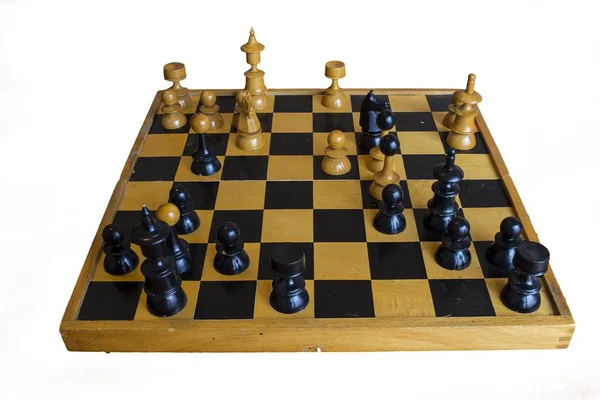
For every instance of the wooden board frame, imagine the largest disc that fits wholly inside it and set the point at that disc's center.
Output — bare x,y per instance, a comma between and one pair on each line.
289,335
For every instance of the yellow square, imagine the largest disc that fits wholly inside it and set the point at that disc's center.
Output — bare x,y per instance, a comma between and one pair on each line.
402,298
342,261
290,168
365,174
495,286
409,234
241,195
184,172
152,194
337,195
319,107
485,222
420,143
233,150
409,103
134,276
356,120
320,143
287,226
292,123
209,273
438,117
164,145
434,271
191,289
226,128
262,308
477,166
200,235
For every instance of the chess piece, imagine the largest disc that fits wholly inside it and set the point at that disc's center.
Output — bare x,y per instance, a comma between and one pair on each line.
334,96
369,110
119,259
255,83
204,162
463,128
231,258
502,251
390,220
442,207
289,293
175,72
208,98
189,220
385,121
162,284
172,118
522,292
250,136
451,114
389,147
454,253
336,161
178,248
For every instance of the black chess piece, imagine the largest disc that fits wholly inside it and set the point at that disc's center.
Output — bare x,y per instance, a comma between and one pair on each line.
189,220
178,248
165,296
454,253
442,207
389,219
289,293
231,258
522,292
369,110
502,251
204,162
120,259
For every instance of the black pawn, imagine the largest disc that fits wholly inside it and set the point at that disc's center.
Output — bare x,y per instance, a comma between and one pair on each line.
454,253
120,259
289,293
231,258
442,207
369,110
204,162
522,292
502,251
189,220
389,219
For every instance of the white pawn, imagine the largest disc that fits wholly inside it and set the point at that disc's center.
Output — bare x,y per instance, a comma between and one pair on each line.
336,161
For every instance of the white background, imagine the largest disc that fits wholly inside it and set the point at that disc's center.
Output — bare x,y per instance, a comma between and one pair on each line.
76,81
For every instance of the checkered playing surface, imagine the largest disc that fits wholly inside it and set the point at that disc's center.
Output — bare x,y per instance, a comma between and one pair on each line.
279,194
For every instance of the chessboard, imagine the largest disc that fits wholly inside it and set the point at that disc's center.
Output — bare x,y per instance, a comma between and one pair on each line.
368,291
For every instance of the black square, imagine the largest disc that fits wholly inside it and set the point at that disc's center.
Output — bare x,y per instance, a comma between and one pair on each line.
420,166
415,121
216,142
339,226
249,222
293,103
357,99
344,299
202,194
483,193
289,195
318,173
291,144
226,300
370,202
155,169
110,301
327,122
128,220
266,122
489,269
439,102
226,104
461,298
396,261
425,235
480,146
243,168
265,272
157,128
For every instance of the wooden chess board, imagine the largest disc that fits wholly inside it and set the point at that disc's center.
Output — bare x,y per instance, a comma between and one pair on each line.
368,291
